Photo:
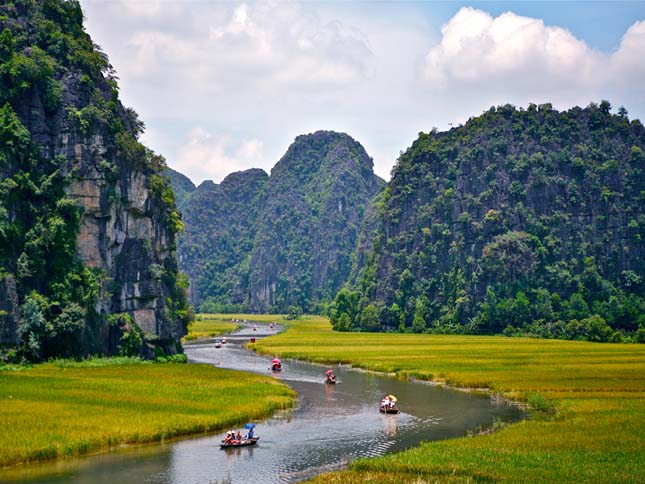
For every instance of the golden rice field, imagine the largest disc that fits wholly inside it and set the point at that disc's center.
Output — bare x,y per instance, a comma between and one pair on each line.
206,327
258,318
593,429
61,409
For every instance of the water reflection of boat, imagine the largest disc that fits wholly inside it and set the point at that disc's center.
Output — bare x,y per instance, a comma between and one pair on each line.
390,426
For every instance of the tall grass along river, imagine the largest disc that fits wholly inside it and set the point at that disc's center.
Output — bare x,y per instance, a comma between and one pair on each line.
330,426
63,409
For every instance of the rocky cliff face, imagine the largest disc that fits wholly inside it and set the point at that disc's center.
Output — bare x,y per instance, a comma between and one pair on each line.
518,216
77,132
221,224
315,201
264,243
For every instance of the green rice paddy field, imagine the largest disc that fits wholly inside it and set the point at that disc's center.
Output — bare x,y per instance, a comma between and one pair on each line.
61,408
591,396
208,326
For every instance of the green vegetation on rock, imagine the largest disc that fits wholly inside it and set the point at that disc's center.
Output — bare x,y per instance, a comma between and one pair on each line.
85,215
181,185
261,243
522,221
220,229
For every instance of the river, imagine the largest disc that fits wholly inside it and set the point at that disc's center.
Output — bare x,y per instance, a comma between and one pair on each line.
329,426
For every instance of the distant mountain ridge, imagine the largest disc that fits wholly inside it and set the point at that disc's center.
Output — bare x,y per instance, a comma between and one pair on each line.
264,243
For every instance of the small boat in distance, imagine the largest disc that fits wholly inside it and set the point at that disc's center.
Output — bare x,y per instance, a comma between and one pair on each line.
330,378
218,343
276,365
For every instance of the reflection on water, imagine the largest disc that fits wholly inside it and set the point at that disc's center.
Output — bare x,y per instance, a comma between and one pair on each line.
331,425
389,425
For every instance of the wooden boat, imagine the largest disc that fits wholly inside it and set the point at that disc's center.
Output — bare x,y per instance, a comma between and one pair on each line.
392,410
242,443
330,382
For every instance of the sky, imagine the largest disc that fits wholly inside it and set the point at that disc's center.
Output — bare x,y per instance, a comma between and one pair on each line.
227,86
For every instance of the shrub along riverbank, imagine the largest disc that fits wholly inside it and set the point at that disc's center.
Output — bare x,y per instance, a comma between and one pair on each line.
67,408
591,396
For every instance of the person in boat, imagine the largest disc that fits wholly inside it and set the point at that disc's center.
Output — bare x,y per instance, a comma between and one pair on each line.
331,378
249,435
238,437
386,403
229,437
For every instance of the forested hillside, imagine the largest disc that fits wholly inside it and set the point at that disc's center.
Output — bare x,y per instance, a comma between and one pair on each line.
221,224
521,221
87,222
181,185
315,202
263,243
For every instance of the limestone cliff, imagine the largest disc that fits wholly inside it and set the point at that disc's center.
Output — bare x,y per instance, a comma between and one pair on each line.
264,243
308,228
110,197
220,229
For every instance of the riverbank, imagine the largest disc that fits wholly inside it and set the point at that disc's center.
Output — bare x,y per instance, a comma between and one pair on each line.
209,326
591,398
62,409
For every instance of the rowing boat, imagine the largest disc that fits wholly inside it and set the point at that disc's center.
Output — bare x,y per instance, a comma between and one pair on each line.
392,410
242,443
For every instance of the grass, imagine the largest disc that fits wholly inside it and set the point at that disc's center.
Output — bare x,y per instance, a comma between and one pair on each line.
589,425
63,409
207,327
258,318
211,325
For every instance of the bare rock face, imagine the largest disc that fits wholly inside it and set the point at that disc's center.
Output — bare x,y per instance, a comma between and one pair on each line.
123,231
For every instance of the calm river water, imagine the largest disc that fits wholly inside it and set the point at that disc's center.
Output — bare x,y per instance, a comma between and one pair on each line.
330,426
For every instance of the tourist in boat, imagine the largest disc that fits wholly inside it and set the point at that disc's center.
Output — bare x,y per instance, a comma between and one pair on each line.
388,404
250,433
229,437
238,437
330,377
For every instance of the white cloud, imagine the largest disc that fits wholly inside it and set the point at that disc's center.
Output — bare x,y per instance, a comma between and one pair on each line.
628,63
527,57
208,157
